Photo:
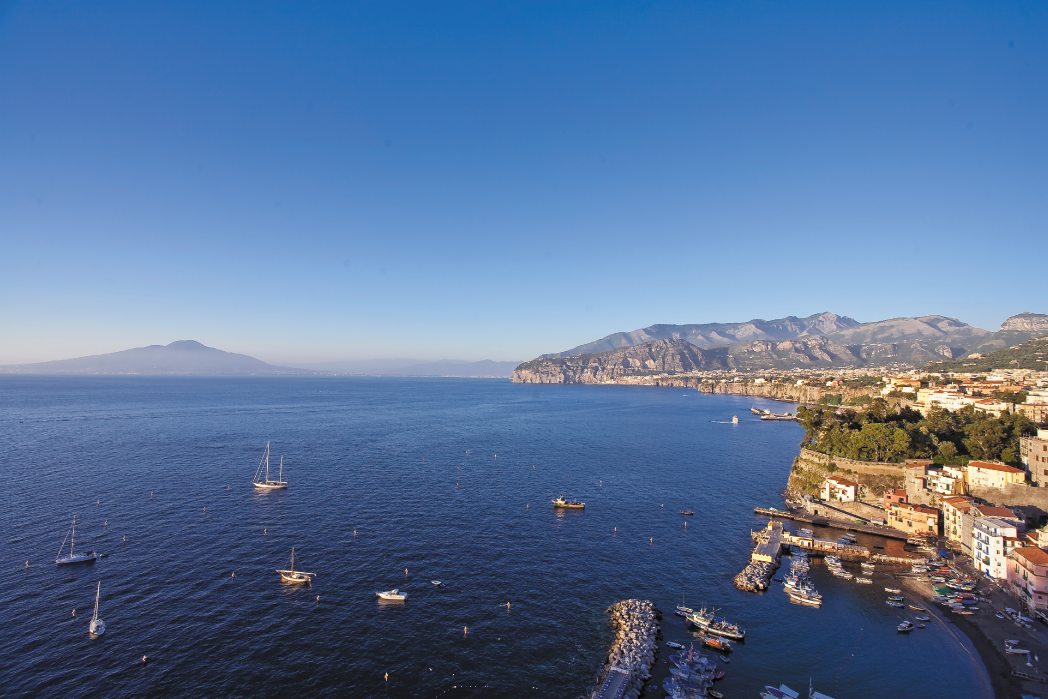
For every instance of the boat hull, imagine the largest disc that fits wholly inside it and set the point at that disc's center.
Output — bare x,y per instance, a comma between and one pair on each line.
76,559
271,485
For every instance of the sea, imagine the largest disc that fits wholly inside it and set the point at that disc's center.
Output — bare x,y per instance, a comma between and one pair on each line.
395,483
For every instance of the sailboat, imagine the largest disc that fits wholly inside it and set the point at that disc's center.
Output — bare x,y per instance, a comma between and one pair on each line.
295,577
262,479
72,556
97,627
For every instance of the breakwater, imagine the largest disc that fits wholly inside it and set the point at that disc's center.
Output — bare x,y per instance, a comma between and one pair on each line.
632,653
764,560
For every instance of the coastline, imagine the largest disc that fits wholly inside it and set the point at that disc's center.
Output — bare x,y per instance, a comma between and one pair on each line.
974,641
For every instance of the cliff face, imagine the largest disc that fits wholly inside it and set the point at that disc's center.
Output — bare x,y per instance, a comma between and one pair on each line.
678,356
1033,323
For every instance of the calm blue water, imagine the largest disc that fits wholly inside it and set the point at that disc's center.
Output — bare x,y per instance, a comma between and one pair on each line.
388,458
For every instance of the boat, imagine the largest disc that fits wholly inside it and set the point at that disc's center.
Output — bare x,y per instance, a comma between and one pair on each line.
915,607
896,598
563,504
714,693
393,595
811,598
717,643
1012,650
681,610
780,692
893,590
734,419
922,617
905,627
295,577
724,658
262,481
97,627
757,411
705,620
864,581
687,513
897,605
674,645
438,583
73,557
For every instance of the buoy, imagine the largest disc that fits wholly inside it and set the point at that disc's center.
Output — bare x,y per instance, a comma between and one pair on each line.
124,539
387,677
205,508
318,599
465,631
98,502
150,495
74,611
354,532
145,659
614,530
233,574
265,531
507,604
27,563
105,523
651,540
405,572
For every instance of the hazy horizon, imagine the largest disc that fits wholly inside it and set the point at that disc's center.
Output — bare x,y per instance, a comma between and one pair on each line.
335,182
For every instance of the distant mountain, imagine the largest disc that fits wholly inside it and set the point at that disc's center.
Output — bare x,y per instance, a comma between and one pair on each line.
709,335
825,340
181,358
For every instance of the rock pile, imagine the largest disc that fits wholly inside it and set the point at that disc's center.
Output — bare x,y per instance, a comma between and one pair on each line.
636,624
755,577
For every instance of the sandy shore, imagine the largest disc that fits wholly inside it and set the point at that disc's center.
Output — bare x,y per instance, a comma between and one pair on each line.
982,636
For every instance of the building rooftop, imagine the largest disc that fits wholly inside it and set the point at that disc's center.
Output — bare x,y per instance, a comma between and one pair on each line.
1032,554
994,466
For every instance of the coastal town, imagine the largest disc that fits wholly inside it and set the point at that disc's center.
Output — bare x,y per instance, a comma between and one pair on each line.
950,468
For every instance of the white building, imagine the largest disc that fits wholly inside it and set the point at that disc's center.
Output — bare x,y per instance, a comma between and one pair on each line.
993,539
839,489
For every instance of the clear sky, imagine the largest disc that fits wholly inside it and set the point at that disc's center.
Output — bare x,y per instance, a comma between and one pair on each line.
309,181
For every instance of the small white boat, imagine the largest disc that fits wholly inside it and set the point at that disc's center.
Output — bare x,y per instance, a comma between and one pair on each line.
905,627
864,581
893,590
438,583
73,557
262,481
1012,650
97,627
393,595
295,577
674,644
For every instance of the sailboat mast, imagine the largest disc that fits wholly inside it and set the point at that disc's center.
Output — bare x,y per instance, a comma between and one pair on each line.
267,462
280,475
72,540
98,592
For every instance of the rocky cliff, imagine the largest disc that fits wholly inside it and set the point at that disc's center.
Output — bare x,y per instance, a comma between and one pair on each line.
1033,323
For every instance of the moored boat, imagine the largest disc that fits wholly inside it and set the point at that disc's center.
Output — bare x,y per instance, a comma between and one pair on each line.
73,557
262,481
295,577
394,595
705,620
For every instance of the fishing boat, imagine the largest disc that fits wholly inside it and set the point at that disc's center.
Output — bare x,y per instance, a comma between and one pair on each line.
262,481
893,590
896,598
295,577
687,513
563,504
97,627
808,597
73,556
922,617
681,610
897,605
905,627
674,645
714,693
717,643
705,620
864,581
393,595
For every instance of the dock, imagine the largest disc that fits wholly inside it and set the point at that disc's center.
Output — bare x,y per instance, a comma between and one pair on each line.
632,653
886,532
614,686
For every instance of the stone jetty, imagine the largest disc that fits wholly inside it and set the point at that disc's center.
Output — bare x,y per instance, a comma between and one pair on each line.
636,625
764,560
755,577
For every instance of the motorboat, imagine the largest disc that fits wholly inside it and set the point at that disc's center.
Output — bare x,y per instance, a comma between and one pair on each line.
674,645
897,605
438,583
720,644
394,595
864,581
892,590
687,513
922,617
705,620
562,503
905,627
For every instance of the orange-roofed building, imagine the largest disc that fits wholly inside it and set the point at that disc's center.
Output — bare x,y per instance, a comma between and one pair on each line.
1028,575
992,474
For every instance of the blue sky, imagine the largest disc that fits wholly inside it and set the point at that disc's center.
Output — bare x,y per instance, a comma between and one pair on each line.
310,181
